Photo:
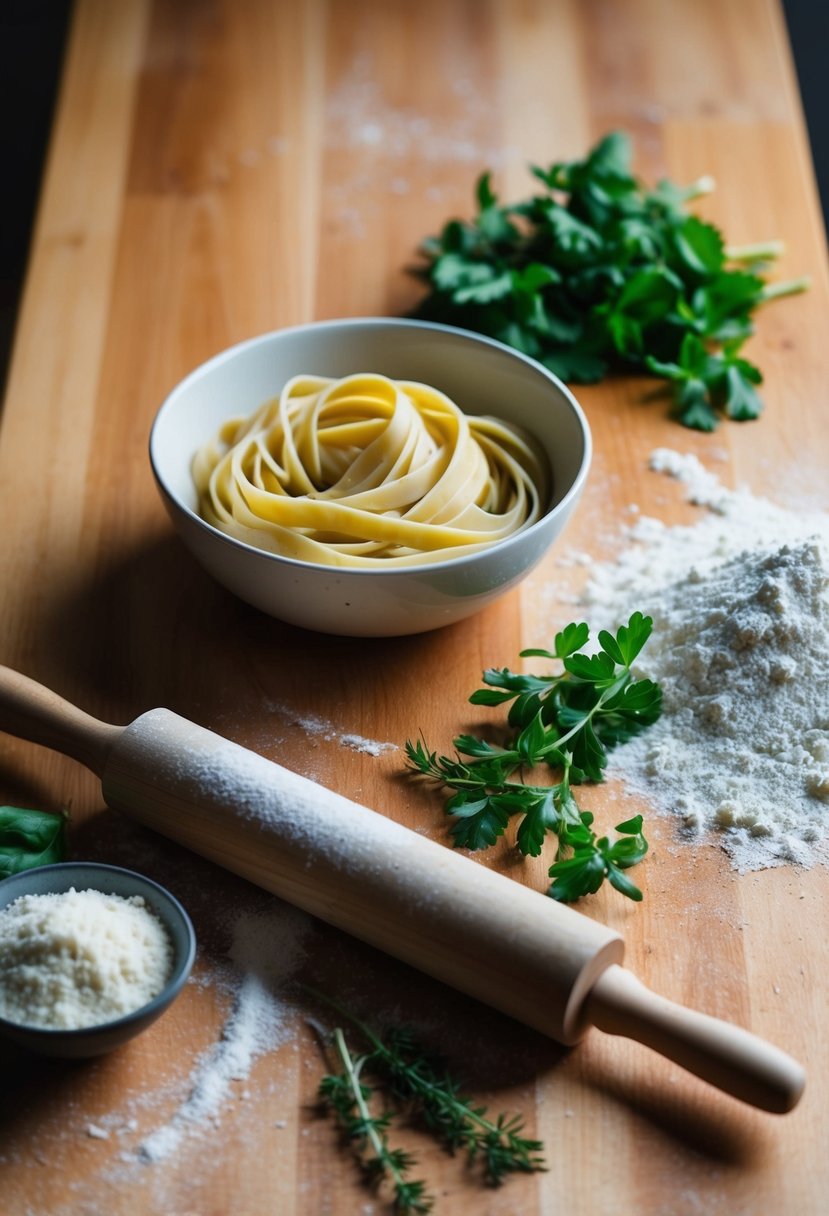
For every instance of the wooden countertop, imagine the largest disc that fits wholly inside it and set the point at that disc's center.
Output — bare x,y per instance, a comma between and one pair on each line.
220,169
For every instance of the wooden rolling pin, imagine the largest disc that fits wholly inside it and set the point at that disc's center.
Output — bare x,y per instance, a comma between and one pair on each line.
515,949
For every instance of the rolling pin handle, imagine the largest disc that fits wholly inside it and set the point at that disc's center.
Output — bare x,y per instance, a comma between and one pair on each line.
30,711
727,1056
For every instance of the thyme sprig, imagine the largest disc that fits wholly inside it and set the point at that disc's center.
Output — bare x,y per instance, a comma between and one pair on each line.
421,1079
568,721
421,1084
346,1095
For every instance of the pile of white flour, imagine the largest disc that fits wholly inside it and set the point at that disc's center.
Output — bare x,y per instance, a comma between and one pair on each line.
740,647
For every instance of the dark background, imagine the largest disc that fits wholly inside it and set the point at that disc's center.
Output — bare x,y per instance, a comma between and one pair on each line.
32,37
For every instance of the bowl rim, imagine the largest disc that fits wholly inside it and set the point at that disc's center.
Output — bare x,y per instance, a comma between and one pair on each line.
421,568
172,987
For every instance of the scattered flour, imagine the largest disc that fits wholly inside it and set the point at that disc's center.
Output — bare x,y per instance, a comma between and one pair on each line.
370,746
382,139
79,958
741,649
322,728
359,115
265,951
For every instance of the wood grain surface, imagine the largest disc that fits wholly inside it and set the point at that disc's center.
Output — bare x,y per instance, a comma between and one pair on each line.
219,168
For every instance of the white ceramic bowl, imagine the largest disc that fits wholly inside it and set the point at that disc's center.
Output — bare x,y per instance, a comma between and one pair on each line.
480,375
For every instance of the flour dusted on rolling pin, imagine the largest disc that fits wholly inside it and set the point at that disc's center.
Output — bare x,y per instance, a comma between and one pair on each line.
510,946
243,786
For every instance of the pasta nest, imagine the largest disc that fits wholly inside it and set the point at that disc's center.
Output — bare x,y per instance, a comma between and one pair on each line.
366,471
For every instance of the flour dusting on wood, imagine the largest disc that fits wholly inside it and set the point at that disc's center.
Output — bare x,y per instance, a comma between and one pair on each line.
265,951
741,649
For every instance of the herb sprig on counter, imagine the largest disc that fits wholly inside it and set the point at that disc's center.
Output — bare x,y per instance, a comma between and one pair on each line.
598,272
418,1081
30,838
566,721
348,1097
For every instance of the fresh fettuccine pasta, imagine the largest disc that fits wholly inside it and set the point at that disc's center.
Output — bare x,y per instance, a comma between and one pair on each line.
367,471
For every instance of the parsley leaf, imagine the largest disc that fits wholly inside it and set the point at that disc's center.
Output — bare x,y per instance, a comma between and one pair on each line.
594,860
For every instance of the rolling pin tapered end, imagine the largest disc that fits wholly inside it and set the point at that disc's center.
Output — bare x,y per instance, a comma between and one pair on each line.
733,1059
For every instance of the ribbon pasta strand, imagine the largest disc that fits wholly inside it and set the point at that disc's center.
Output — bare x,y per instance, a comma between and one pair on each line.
368,472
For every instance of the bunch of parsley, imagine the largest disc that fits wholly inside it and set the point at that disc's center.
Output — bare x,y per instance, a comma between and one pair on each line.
598,274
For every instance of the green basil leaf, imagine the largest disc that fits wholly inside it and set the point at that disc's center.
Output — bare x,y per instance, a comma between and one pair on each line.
30,838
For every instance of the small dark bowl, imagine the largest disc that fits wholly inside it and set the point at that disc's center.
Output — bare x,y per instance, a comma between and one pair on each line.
111,880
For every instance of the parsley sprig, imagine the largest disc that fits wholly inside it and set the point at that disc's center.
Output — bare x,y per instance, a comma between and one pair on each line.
419,1083
567,721
599,273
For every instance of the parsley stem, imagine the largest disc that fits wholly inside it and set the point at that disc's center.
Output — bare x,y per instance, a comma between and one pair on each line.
703,185
758,252
788,287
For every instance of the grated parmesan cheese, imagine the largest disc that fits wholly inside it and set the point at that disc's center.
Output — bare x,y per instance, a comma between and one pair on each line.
79,958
